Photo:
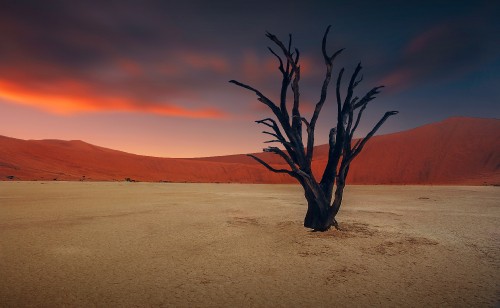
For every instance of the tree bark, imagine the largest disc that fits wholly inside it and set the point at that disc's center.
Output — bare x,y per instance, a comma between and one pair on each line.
315,219
318,216
321,213
337,201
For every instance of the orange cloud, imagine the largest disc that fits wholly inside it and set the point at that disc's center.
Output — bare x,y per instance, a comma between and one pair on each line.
71,100
256,68
308,67
130,66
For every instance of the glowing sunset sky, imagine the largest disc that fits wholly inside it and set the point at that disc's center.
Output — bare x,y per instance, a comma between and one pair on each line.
151,77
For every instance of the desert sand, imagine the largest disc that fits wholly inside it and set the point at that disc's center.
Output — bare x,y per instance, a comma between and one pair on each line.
457,151
84,244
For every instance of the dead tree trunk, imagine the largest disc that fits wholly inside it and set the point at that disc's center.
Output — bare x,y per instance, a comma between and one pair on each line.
287,130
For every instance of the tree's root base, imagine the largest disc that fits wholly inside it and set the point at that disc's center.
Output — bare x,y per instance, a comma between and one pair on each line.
326,229
320,230
334,224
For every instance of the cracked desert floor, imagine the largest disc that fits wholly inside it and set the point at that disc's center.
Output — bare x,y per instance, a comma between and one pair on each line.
228,245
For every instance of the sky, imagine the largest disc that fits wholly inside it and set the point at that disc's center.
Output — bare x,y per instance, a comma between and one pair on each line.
151,77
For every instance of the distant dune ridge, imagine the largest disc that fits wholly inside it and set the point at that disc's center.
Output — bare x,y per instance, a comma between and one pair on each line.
458,151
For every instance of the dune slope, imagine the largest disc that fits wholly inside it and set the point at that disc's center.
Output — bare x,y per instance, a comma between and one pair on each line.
455,151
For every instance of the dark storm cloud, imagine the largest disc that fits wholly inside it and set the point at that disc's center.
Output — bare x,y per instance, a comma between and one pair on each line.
149,54
446,51
128,53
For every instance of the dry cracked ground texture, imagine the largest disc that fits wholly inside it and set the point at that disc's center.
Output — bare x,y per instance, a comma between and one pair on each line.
210,245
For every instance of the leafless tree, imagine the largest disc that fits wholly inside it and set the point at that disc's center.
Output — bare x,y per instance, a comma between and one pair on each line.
287,130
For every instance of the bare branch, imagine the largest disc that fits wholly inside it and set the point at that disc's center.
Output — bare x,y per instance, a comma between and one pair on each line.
302,174
335,142
331,137
289,50
305,122
261,97
339,98
357,82
326,81
283,119
279,139
310,143
269,133
328,59
357,149
296,122
268,166
284,87
288,145
294,134
323,45
265,123
285,51
297,56
354,100
368,97
322,98
357,144
272,141
323,95
277,134
284,83
292,165
278,151
273,125
360,113
352,85
281,68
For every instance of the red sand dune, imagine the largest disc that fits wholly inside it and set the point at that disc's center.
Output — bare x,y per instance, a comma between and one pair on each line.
456,151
